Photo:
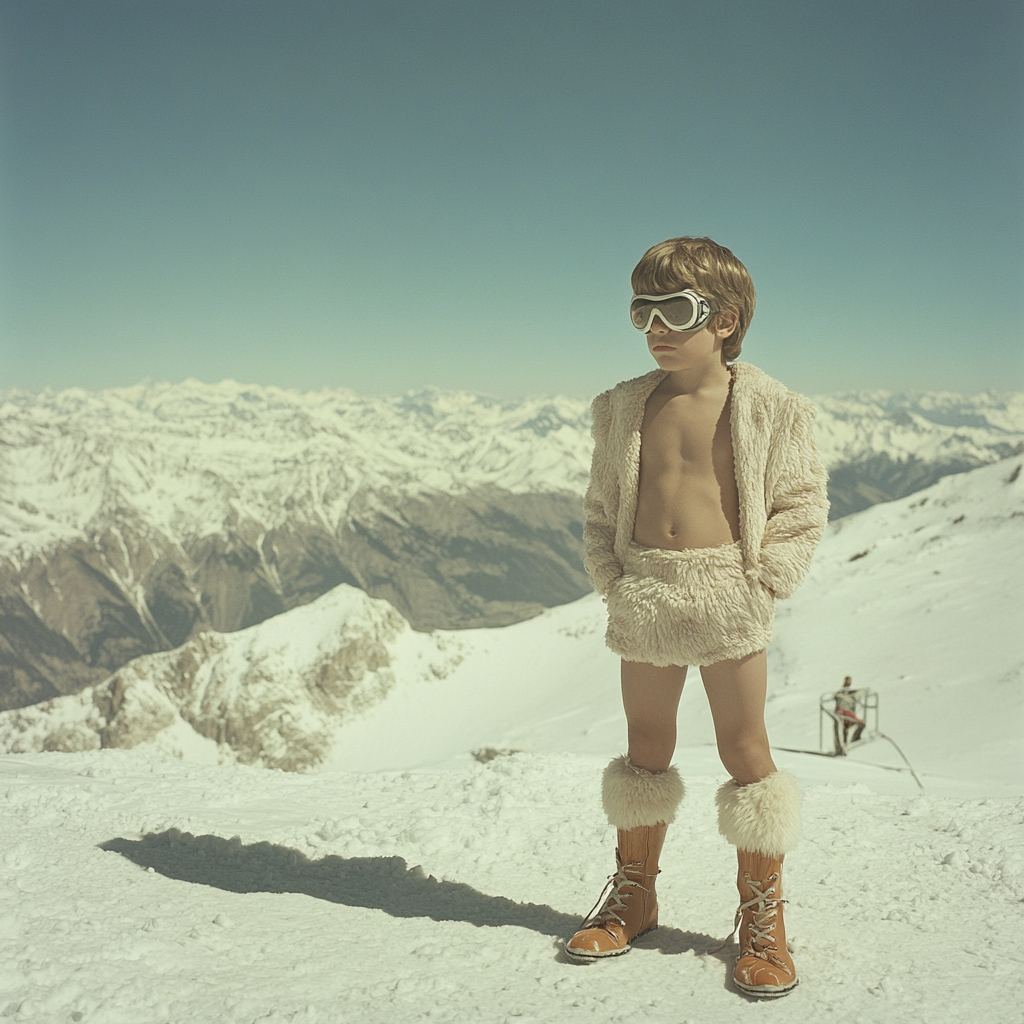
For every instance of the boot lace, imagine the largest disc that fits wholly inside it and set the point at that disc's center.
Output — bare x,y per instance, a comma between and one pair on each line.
763,909
613,898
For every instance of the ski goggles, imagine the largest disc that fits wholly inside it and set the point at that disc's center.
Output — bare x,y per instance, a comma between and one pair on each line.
680,311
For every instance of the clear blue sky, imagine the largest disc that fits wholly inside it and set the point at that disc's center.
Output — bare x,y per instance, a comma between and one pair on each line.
385,196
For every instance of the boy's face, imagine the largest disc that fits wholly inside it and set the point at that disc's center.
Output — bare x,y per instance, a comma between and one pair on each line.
685,350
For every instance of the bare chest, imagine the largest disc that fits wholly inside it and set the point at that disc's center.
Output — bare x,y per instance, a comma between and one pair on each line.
686,434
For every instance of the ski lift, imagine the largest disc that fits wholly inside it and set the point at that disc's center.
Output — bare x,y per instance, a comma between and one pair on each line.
853,715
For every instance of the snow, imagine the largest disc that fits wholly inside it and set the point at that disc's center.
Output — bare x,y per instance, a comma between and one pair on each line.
140,889
407,880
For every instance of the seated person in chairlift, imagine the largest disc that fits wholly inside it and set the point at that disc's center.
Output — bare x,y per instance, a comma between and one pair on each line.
846,718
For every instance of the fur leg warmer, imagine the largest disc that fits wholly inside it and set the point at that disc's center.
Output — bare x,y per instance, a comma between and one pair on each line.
634,797
762,817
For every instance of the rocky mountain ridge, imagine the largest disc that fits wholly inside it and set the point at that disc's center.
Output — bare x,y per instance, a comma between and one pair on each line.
271,695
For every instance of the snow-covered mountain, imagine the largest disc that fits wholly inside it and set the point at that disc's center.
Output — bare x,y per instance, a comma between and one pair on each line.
134,520
879,446
270,695
919,599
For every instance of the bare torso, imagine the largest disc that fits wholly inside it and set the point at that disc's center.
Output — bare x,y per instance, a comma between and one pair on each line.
687,496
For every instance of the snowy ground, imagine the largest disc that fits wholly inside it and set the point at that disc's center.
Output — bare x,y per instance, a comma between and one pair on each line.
919,599
392,897
409,882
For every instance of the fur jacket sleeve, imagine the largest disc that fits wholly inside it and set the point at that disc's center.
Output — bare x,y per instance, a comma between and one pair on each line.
601,503
781,482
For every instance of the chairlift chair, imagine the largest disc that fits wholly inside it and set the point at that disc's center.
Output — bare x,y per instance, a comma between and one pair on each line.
865,710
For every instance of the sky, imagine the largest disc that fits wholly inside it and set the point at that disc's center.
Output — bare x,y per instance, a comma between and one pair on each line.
390,196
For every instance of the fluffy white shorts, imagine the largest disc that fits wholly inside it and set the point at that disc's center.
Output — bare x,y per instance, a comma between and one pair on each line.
692,607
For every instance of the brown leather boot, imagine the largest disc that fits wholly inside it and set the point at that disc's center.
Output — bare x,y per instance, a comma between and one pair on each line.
762,820
764,967
628,905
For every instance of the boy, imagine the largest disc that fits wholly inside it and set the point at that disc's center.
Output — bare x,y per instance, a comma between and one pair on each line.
706,501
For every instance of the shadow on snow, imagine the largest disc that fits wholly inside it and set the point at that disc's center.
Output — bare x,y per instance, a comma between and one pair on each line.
380,883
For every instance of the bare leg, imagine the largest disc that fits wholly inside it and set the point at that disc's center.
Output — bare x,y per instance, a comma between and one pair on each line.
650,697
736,692
640,805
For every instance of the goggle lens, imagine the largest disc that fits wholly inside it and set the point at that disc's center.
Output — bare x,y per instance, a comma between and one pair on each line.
682,311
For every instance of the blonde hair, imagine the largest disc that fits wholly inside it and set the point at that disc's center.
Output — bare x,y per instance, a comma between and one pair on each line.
710,270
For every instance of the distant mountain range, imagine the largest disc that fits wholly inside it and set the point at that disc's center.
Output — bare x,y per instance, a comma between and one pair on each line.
135,520
919,597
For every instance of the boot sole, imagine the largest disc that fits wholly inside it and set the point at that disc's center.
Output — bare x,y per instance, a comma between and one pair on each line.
586,956
767,991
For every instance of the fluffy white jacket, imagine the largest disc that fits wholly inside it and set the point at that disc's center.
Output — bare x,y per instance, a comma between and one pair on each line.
781,482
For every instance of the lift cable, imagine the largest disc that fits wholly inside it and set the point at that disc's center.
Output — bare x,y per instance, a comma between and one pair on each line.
904,756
